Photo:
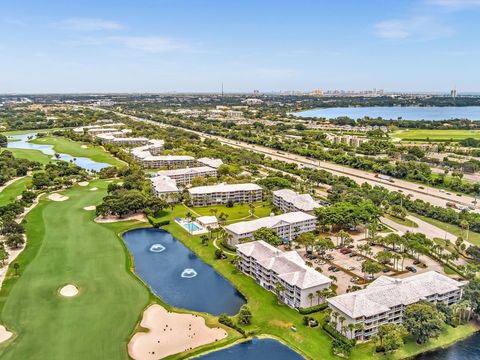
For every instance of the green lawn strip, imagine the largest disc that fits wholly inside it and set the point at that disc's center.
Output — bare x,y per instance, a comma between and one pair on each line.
74,148
473,237
404,222
269,318
95,324
30,131
237,212
33,155
449,336
437,135
13,190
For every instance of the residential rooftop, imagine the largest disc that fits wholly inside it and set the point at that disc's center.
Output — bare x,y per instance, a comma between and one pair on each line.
219,188
269,222
303,202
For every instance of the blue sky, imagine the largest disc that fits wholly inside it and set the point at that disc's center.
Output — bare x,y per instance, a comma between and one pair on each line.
195,45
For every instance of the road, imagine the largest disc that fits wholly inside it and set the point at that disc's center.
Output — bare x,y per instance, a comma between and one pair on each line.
428,194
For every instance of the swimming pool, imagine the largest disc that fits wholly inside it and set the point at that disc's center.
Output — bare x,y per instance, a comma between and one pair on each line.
191,227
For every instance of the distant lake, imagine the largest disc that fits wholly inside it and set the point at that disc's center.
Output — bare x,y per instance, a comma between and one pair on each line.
396,112
463,350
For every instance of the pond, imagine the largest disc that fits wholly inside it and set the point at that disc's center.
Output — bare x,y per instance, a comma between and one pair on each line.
21,142
467,349
397,112
253,350
178,276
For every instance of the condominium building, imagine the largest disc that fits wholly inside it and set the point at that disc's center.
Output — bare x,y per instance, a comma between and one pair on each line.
165,187
114,138
288,200
353,141
384,301
185,176
214,163
169,161
288,226
223,193
270,266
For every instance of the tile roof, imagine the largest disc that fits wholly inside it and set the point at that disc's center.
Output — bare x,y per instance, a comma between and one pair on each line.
224,188
304,202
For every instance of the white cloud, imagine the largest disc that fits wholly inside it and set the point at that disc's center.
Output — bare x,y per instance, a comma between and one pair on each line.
149,44
455,4
417,28
87,24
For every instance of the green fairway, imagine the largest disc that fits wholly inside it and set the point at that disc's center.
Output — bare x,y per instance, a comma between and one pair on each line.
436,135
34,155
404,222
66,246
13,190
74,148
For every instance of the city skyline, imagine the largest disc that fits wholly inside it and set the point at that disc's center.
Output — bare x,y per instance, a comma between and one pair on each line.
186,46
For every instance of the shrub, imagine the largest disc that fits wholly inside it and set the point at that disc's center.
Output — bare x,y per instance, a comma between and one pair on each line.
225,320
313,309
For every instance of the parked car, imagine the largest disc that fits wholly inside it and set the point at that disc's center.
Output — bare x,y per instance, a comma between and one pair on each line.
421,187
336,269
332,267
321,262
416,262
385,270
411,269
359,258
354,279
351,268
352,255
345,251
330,257
351,246
370,277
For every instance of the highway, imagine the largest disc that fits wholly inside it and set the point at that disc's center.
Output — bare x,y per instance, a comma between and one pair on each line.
416,191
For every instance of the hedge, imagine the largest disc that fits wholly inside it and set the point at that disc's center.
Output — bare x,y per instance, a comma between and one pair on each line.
336,335
313,309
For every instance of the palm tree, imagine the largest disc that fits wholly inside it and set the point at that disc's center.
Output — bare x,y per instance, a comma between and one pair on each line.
359,327
279,288
310,297
351,328
319,294
343,330
342,320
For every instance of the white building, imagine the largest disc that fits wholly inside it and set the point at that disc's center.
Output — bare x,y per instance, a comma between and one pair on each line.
208,221
186,175
169,161
214,163
288,226
165,187
384,300
223,193
288,200
269,266
113,138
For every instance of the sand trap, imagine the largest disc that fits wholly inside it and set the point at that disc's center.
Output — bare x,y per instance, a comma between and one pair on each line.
94,189
170,333
90,208
57,197
69,290
4,334
83,183
114,218
84,147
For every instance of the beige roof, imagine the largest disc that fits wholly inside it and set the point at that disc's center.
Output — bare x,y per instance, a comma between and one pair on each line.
386,292
215,163
185,171
164,184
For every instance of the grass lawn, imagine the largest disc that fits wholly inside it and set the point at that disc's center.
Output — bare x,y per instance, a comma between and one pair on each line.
404,222
473,237
34,155
237,212
449,336
11,192
74,148
437,135
66,246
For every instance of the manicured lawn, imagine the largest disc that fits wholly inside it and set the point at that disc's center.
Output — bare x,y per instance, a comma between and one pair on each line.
448,337
437,135
66,246
74,148
34,155
473,237
404,222
237,212
11,192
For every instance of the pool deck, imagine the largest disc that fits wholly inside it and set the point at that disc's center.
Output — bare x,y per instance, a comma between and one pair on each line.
184,224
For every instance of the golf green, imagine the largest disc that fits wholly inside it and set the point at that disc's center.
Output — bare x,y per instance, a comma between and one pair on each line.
66,247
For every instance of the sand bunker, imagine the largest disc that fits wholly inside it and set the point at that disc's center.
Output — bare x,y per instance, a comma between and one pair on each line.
113,218
94,189
84,147
170,333
57,197
4,334
90,208
69,290
83,183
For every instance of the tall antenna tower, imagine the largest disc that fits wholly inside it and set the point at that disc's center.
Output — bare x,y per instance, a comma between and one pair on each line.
222,89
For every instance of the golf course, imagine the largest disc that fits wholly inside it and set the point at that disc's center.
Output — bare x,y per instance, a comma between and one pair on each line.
436,135
95,324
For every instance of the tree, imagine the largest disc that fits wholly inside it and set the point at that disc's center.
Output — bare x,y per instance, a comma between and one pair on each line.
204,240
3,255
371,267
268,235
423,321
324,244
244,315
471,293
310,297
14,241
306,239
219,254
3,141
279,289
16,267
391,337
